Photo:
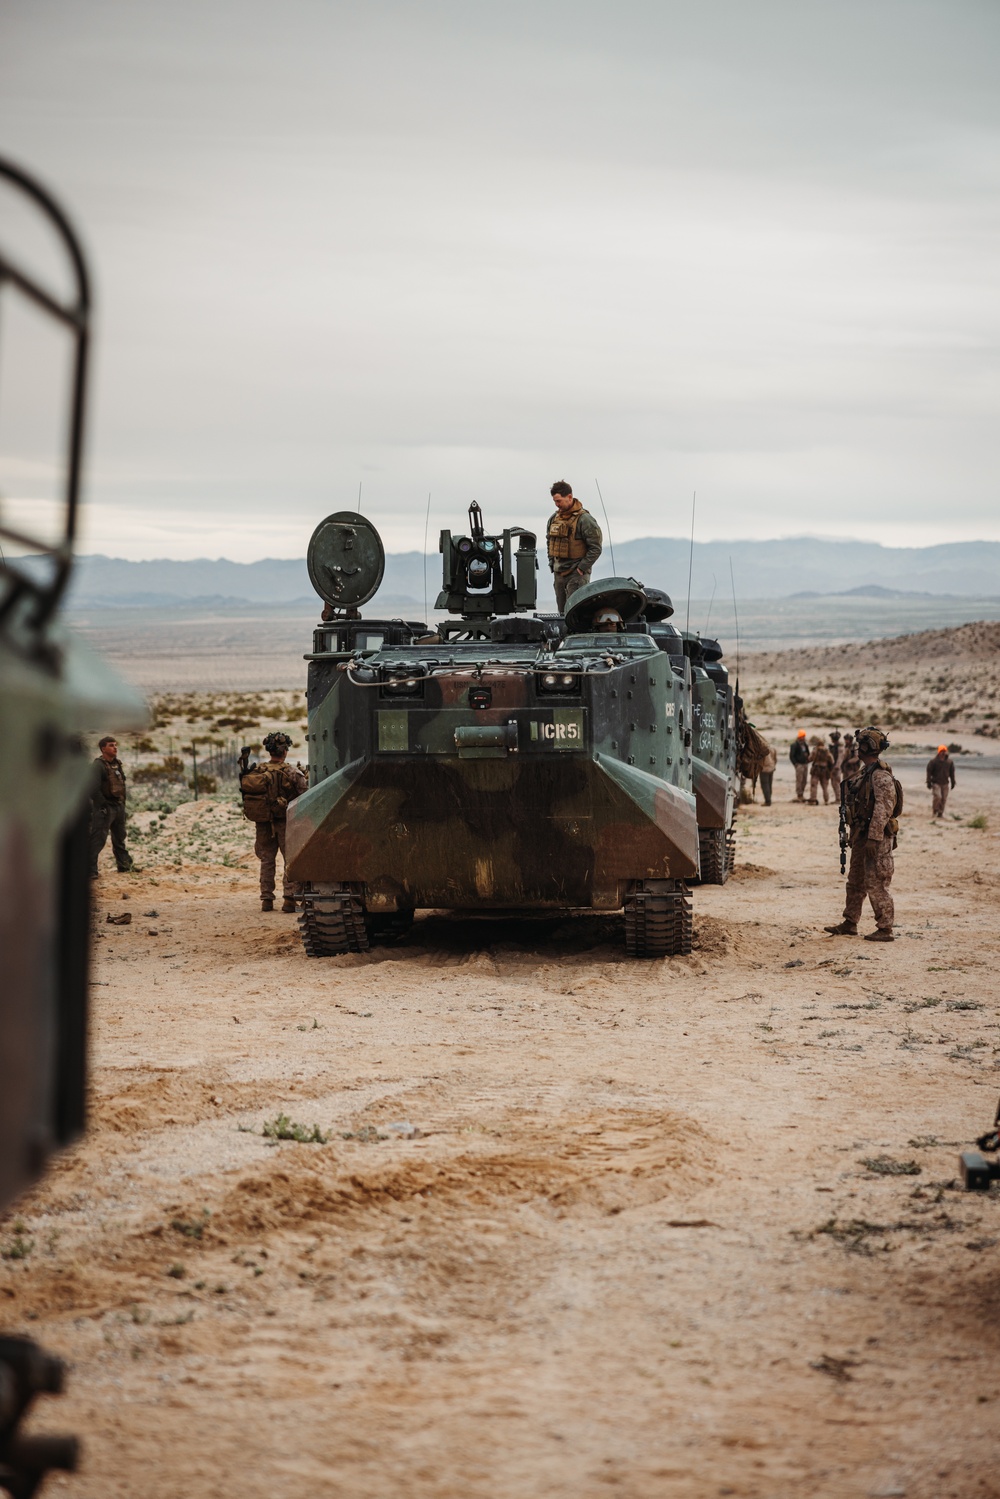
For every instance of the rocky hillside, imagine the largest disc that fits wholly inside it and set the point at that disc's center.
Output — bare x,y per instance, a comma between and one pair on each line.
947,679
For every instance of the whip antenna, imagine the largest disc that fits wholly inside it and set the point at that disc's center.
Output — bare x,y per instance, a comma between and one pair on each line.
711,602
611,545
736,616
427,519
687,626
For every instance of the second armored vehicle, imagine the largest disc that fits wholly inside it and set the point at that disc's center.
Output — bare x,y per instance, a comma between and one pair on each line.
716,782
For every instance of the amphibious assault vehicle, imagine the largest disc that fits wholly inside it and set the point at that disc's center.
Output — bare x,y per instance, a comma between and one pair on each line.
506,760
52,690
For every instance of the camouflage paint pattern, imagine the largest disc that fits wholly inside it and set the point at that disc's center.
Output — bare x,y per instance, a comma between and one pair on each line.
548,793
714,743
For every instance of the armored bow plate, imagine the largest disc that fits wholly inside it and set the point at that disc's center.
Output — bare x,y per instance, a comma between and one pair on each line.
346,559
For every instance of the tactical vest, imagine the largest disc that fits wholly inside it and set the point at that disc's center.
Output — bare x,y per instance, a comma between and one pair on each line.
563,543
112,780
264,792
859,799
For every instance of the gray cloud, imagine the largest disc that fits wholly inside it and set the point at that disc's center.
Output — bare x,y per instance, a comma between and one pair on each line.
467,248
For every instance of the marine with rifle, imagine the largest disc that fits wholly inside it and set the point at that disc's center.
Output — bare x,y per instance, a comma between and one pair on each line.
871,803
266,790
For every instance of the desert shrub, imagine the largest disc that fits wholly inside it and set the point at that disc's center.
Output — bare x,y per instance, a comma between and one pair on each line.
170,769
283,1128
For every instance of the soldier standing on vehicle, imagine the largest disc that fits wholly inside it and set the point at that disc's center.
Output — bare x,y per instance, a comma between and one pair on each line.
821,763
873,802
940,779
799,756
574,543
107,807
266,790
768,766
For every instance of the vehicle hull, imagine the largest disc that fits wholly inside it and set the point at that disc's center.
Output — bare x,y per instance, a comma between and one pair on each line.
443,831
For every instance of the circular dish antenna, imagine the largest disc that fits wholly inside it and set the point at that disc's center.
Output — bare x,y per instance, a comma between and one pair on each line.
346,559
623,594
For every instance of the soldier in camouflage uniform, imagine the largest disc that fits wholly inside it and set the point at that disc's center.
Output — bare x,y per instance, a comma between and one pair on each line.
107,808
574,543
872,812
849,762
821,764
288,783
837,751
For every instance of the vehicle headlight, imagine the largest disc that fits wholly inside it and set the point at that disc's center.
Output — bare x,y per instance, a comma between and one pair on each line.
558,681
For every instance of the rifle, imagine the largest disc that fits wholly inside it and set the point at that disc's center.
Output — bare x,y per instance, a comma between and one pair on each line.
843,827
244,760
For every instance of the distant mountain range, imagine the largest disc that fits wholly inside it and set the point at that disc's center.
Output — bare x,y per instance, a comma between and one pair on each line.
797,567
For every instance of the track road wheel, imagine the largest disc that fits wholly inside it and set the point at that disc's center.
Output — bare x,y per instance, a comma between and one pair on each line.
712,855
658,919
332,921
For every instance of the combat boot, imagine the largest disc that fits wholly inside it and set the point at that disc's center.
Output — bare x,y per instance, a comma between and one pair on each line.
266,904
843,928
287,905
881,934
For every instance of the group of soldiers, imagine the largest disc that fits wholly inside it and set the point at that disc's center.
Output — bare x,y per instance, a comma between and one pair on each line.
872,800
266,788
823,766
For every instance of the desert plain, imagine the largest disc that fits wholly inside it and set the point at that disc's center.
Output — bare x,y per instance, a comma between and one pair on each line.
555,1223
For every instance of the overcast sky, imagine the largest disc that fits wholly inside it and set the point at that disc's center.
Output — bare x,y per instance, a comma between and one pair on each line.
467,248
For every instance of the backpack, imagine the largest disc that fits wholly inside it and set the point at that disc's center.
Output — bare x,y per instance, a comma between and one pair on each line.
752,749
861,800
261,789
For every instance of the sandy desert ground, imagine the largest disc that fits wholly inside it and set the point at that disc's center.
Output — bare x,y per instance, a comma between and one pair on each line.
566,1225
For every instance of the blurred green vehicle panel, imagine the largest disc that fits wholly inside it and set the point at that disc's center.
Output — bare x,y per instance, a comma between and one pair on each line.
53,692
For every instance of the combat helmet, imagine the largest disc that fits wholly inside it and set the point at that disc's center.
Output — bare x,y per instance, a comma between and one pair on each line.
871,741
276,744
606,619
